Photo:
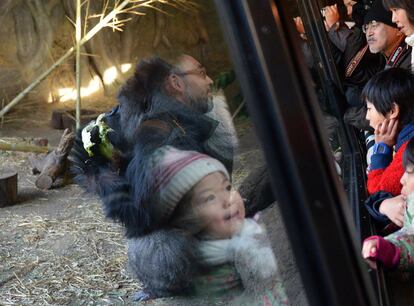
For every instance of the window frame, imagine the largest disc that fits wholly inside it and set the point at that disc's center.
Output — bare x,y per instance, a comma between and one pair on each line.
281,101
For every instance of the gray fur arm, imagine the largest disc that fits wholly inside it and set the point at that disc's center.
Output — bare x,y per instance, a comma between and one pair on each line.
254,258
164,261
257,266
224,139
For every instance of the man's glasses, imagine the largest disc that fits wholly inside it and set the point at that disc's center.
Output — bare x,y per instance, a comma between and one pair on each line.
370,25
198,71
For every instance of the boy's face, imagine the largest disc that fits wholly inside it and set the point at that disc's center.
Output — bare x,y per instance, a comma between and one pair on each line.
373,116
407,181
220,209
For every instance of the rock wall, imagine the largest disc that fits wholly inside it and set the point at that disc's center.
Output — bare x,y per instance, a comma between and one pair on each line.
35,33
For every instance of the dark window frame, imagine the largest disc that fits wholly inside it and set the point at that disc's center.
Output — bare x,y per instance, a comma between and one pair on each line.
288,122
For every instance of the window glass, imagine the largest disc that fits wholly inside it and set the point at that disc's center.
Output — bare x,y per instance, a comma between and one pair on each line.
175,158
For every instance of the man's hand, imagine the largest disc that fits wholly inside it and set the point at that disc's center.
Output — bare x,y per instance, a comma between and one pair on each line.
386,132
369,250
394,209
299,25
331,16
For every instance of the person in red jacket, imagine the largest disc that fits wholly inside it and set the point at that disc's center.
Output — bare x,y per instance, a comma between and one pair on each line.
389,96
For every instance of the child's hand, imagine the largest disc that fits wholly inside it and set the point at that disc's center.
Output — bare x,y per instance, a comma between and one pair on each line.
377,249
257,216
386,132
369,251
394,209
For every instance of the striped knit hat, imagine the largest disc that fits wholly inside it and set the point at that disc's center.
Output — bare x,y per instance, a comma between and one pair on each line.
176,172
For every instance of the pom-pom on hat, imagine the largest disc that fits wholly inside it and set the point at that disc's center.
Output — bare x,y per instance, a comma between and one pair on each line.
176,172
378,13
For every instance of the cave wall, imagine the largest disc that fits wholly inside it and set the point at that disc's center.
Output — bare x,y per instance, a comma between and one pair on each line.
35,33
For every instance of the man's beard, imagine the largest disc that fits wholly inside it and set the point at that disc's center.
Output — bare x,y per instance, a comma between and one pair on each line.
374,49
202,105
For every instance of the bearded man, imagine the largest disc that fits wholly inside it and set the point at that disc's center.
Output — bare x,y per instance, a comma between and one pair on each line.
161,104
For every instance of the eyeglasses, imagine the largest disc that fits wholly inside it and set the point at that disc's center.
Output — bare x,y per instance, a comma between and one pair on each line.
198,71
370,25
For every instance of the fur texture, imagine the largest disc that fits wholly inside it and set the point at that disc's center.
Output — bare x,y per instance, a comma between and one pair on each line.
145,120
224,140
254,258
164,261
125,192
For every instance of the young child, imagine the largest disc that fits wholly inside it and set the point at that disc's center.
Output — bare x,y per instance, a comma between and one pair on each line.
390,111
397,249
389,96
192,199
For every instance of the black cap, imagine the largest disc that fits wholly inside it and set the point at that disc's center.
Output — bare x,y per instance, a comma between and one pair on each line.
378,13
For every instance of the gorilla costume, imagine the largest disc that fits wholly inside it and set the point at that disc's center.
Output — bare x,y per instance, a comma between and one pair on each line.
146,119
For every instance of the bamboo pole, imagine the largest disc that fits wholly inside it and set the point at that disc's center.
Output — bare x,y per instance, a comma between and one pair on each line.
102,23
78,72
21,95
24,147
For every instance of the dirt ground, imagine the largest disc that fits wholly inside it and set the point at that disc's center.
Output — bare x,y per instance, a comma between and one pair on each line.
56,248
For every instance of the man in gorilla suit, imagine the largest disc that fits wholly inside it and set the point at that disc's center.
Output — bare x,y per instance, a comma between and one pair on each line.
159,105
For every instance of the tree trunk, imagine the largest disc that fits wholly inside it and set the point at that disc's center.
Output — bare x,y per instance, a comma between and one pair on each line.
56,119
8,188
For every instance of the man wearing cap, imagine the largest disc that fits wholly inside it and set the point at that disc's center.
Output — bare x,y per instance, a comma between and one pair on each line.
383,36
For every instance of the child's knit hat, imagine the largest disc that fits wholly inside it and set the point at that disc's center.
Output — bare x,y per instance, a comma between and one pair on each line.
176,172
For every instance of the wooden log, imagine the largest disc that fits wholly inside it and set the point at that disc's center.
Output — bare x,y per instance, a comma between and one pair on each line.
8,187
55,163
44,182
41,142
23,147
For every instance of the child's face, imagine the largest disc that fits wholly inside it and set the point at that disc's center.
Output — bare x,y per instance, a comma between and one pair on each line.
407,181
219,208
373,116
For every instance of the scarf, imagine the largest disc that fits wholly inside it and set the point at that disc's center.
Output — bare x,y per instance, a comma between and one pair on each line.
249,251
254,266
410,41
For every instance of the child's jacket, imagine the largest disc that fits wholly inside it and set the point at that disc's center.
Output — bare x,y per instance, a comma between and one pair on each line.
386,170
253,262
404,238
397,249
